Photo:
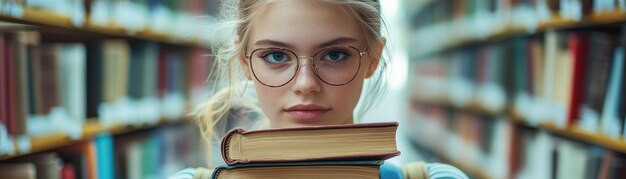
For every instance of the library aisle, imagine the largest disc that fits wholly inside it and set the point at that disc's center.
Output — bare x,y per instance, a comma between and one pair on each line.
518,89
101,89
524,89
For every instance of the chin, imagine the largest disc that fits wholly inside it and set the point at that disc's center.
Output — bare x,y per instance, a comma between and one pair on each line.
289,122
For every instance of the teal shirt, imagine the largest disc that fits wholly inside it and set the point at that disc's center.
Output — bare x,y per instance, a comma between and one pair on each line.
435,171
390,171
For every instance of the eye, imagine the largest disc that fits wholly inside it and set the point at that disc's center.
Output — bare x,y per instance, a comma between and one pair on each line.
275,57
335,55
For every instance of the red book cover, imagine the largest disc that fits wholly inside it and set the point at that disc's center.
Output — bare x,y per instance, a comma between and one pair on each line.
578,43
198,68
11,91
516,148
68,171
162,73
482,65
4,116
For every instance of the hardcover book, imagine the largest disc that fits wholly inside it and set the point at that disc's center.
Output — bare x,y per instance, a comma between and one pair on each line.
372,141
313,170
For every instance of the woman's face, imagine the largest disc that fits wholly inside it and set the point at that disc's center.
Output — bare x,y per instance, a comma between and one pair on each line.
305,28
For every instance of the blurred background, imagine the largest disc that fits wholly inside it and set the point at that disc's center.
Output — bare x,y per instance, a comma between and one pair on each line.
530,89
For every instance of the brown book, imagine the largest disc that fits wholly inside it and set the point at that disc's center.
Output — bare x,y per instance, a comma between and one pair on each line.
19,46
47,165
554,5
116,59
45,79
4,106
18,170
372,141
314,171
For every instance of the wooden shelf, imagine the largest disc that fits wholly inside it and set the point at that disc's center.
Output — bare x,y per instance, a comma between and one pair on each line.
577,133
555,23
572,132
52,19
91,129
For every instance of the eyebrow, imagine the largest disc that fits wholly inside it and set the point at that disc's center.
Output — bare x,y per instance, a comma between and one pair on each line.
340,40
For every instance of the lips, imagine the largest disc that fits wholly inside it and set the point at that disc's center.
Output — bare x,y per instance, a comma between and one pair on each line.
307,112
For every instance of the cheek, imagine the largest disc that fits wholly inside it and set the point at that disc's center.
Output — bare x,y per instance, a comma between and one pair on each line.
346,96
269,98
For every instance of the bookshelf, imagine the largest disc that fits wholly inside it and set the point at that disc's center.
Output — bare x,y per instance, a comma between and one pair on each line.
520,86
49,18
102,95
508,30
90,130
572,132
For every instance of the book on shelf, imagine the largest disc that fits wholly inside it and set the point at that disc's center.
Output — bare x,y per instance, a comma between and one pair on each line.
46,165
199,66
83,156
17,55
72,60
572,160
105,156
94,72
601,55
610,123
613,166
45,84
115,69
621,98
334,142
18,170
57,92
571,67
142,85
4,103
161,152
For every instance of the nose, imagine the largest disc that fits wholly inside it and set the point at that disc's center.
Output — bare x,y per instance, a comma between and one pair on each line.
306,81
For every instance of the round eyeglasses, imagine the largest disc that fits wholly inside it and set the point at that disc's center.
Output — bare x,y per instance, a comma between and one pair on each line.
275,67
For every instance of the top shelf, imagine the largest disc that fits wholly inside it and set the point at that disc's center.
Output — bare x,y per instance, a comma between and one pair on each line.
52,19
459,39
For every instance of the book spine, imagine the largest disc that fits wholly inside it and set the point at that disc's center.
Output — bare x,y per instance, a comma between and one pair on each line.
4,116
225,147
578,45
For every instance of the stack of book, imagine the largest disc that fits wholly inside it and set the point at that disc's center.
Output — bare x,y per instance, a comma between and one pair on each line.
344,151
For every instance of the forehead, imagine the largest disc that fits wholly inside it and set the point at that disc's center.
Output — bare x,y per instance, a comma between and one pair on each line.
303,24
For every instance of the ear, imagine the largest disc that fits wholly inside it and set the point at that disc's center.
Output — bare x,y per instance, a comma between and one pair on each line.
243,62
375,56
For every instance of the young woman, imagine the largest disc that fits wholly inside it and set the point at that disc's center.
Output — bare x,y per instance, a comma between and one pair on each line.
308,61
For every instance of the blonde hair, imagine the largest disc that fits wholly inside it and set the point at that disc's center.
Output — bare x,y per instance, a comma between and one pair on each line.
227,78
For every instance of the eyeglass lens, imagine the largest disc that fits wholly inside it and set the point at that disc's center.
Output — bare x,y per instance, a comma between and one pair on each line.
277,67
